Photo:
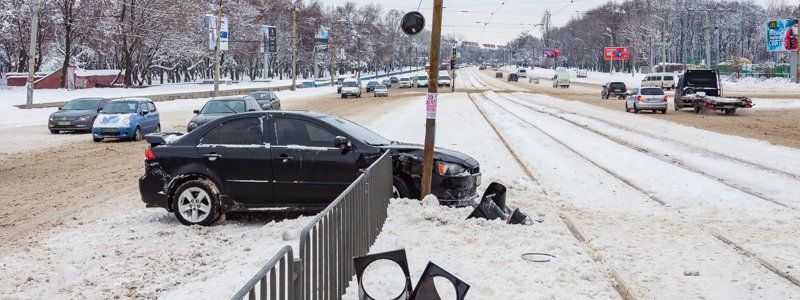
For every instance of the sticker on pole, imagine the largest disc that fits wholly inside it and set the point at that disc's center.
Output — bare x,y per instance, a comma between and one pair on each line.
430,105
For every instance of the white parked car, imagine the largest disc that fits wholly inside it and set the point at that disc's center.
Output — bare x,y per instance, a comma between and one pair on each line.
581,73
522,73
405,82
422,81
660,80
351,87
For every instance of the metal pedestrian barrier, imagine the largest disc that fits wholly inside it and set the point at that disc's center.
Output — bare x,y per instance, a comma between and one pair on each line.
343,230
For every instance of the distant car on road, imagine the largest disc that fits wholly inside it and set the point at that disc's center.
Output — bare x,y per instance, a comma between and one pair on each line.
498,75
482,67
267,100
126,119
380,91
522,73
664,81
308,84
613,89
422,81
405,82
444,80
394,79
386,82
581,73
76,115
351,87
513,77
646,98
222,106
287,160
533,79
371,85
561,79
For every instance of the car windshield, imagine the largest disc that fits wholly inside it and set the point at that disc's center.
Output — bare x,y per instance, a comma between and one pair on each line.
81,105
356,131
223,107
422,77
350,84
121,107
444,77
372,83
380,87
652,92
261,96
404,79
669,78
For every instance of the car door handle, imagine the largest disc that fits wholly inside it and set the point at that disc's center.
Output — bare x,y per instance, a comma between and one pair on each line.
212,156
285,158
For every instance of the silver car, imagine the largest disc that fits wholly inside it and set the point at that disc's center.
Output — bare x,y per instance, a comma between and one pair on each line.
380,91
646,98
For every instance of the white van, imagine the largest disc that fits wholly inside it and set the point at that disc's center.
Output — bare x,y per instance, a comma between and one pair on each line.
522,73
660,80
561,79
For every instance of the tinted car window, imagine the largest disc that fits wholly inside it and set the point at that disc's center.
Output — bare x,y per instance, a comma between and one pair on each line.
262,96
246,131
122,107
299,132
422,77
151,106
617,85
669,78
81,105
350,84
223,106
652,92
211,137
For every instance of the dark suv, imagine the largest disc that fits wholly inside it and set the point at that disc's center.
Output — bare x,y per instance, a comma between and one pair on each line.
614,89
513,77
286,160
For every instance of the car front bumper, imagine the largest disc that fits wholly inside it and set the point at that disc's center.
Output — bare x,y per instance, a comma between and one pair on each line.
113,132
458,191
76,125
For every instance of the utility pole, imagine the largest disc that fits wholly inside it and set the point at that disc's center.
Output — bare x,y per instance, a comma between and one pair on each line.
431,99
664,45
294,47
330,58
797,49
708,41
32,52
216,48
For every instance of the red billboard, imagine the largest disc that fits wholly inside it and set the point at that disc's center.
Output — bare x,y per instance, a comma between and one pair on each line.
615,53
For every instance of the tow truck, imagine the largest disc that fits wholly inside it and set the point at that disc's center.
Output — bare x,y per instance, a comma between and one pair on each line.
702,89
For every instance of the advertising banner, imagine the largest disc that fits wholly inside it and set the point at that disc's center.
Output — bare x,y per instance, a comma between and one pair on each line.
781,35
211,27
269,39
615,53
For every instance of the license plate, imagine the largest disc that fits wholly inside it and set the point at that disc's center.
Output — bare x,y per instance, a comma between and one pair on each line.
64,123
618,90
109,130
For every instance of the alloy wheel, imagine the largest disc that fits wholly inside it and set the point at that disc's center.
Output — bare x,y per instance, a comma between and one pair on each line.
194,204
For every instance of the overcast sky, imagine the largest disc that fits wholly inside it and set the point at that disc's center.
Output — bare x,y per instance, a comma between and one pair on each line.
513,17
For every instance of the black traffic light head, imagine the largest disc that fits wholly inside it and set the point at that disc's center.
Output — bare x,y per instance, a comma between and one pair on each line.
412,23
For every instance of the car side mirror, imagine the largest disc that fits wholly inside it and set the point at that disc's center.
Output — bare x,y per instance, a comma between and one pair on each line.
196,111
252,109
60,108
98,109
145,112
342,143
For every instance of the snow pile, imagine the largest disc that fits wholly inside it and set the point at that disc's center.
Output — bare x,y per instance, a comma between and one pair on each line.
144,254
487,255
776,104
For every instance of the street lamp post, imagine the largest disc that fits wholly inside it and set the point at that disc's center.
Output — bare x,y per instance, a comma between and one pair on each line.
611,59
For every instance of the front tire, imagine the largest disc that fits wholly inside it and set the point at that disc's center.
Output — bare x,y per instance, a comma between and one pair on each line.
54,131
137,135
196,202
400,188
97,140
627,109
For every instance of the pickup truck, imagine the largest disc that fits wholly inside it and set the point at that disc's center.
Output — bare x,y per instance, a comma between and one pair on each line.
702,89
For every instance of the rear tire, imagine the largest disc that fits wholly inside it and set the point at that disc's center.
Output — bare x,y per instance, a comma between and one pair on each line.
635,109
627,109
158,128
196,202
664,111
697,109
730,111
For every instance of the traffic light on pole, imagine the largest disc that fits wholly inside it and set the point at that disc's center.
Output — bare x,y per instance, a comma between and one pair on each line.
453,59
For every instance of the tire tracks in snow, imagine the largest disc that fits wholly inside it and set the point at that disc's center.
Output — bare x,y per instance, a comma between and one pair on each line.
619,285
721,238
646,151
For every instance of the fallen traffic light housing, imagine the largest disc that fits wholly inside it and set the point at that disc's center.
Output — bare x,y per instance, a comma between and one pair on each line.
493,206
426,289
397,256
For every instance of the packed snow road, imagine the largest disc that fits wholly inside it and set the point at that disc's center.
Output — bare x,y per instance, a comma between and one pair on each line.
631,206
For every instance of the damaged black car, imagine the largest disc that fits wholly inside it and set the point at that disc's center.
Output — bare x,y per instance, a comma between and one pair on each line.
285,160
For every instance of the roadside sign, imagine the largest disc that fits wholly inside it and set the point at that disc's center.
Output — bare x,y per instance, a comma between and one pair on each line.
211,28
615,53
269,39
781,35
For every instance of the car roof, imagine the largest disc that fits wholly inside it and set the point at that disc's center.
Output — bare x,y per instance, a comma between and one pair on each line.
132,99
229,98
350,80
90,98
261,92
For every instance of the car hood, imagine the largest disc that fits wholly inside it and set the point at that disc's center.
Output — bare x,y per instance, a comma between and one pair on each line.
203,118
442,154
74,113
111,120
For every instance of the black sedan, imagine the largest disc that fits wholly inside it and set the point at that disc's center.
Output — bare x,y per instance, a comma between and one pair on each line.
222,106
76,115
498,75
287,160
268,100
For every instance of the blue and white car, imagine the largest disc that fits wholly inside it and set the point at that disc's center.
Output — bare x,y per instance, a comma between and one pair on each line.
126,119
